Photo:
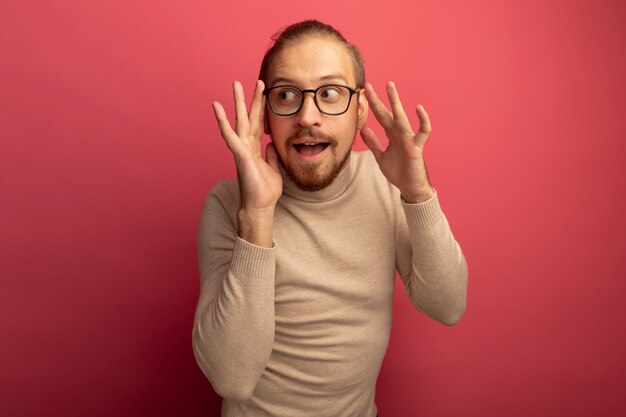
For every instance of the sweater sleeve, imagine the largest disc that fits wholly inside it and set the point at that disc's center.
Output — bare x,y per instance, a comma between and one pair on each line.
430,262
233,330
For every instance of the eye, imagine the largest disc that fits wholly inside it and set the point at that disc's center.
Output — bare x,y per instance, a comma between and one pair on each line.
287,94
329,93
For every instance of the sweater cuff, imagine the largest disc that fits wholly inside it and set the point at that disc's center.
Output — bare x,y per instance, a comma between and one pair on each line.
423,215
253,260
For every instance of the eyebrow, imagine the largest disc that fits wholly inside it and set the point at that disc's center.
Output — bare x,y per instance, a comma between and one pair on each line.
324,78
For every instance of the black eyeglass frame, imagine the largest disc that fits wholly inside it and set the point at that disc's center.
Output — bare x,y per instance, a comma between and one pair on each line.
314,92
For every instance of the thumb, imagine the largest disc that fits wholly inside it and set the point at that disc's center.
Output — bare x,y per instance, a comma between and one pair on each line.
271,156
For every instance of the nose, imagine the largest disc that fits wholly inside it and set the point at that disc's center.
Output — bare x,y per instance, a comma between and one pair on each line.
309,114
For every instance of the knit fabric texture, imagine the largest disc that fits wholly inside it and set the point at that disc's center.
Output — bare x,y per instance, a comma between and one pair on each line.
301,329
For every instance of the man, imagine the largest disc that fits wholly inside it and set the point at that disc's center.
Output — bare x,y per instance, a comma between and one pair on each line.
298,256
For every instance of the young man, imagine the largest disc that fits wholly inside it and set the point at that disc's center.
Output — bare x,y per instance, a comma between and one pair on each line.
298,255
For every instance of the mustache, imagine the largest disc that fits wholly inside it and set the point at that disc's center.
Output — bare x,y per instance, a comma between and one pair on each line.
309,133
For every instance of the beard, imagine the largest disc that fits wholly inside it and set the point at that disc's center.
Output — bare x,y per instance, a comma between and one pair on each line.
310,176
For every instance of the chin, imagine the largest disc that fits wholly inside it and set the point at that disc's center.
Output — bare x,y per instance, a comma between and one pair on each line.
312,181
313,176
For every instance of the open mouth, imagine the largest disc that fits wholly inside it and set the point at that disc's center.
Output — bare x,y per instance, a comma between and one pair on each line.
310,148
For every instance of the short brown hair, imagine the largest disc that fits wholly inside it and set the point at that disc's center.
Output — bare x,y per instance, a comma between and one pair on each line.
311,28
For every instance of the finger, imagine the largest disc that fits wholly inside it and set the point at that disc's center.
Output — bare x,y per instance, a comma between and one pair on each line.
256,108
372,142
399,116
271,156
384,116
229,136
425,126
241,113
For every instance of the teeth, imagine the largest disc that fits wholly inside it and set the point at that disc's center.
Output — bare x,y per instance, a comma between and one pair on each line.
310,143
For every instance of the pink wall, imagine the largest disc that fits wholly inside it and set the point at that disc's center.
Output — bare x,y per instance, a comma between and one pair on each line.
108,147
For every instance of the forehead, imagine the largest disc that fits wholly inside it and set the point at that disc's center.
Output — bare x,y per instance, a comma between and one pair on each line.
311,62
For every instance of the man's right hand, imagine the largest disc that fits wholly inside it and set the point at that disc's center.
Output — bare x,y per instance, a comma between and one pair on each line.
260,183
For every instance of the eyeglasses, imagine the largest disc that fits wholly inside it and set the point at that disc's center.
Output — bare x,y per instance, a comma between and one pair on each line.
331,99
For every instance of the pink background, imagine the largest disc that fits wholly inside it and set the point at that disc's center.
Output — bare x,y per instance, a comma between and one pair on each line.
108,148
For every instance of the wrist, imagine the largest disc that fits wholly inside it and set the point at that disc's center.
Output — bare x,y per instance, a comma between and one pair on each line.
256,226
418,197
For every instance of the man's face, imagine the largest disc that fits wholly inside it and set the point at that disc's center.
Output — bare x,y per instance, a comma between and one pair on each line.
308,64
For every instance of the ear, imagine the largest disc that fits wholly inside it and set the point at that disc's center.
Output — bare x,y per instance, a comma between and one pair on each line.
362,109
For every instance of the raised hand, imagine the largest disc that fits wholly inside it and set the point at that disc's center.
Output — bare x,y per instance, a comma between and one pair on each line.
402,162
260,183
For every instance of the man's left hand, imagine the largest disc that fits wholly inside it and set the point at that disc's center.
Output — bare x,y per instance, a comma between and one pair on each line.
402,162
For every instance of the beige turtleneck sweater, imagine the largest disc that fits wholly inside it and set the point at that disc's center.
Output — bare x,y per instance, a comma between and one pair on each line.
301,329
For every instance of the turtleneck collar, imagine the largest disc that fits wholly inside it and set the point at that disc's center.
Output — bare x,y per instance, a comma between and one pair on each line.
334,190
